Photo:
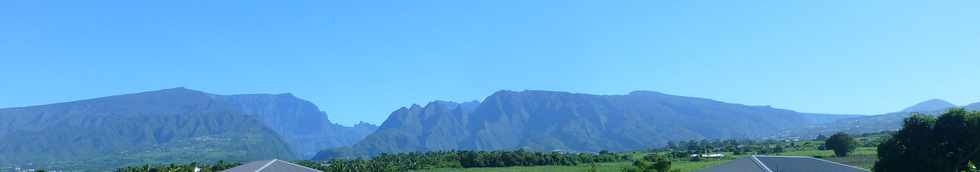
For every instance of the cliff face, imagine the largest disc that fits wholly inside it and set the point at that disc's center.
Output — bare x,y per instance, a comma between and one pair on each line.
300,123
548,120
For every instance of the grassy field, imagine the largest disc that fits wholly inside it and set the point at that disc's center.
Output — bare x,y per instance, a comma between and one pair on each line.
683,166
863,157
602,167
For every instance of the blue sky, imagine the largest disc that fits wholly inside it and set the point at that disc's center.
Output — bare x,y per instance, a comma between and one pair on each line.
360,60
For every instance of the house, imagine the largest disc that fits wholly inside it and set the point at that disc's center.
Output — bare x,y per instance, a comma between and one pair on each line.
273,165
758,163
714,155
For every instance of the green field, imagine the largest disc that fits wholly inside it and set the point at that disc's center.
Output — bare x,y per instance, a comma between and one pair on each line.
863,157
683,166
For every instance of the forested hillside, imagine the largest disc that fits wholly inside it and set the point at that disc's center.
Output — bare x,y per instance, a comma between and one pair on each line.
561,121
166,126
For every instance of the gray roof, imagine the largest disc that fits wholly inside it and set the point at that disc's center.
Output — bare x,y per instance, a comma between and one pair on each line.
757,163
274,165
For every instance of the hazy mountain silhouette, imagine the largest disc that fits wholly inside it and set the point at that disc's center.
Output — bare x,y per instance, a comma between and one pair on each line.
974,106
300,123
929,106
877,123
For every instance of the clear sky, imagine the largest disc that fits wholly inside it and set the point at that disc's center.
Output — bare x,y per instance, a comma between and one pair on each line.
359,60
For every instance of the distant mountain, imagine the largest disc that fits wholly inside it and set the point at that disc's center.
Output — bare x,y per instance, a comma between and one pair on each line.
167,126
549,120
876,123
929,106
974,106
300,123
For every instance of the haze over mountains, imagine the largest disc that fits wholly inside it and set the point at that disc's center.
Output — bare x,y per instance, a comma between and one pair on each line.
172,125
877,123
183,125
549,120
974,106
929,106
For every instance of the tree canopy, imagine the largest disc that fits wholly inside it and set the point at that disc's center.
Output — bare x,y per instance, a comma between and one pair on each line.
841,144
463,159
650,163
950,142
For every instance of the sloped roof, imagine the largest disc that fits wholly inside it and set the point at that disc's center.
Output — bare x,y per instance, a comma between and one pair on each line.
757,163
273,165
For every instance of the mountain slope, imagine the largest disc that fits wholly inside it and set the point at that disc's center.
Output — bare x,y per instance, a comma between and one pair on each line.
165,126
974,106
876,123
929,106
299,122
548,120
103,142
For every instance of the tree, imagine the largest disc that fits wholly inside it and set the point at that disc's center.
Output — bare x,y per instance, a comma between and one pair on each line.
948,143
841,144
662,164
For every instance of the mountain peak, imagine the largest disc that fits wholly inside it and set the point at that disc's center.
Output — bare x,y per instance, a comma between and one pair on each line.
930,105
177,90
643,92
362,124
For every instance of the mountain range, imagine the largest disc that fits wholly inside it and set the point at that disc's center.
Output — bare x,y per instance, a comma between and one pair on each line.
877,123
183,125
167,126
561,121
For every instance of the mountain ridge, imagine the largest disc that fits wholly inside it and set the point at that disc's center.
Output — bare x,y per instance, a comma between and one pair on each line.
877,123
280,125
552,120
930,105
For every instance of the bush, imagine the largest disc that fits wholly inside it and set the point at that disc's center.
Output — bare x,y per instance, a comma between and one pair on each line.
651,163
841,144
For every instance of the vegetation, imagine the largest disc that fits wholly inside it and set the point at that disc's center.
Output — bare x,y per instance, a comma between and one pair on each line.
601,167
163,127
221,165
650,163
442,125
676,166
821,137
948,143
684,149
465,159
841,144
664,159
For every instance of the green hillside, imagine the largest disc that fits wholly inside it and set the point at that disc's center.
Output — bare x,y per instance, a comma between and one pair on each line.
107,142
562,121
